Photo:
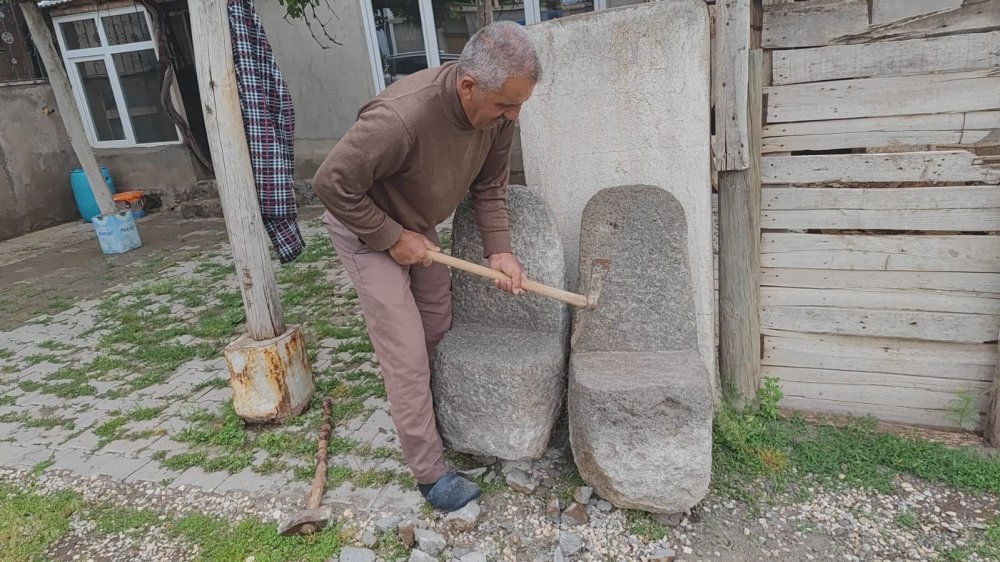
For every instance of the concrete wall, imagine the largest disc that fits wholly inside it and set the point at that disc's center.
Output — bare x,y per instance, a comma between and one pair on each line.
35,162
328,85
623,100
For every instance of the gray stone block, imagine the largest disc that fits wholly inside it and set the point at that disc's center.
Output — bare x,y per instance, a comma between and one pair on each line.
498,391
639,395
499,373
354,554
641,427
647,302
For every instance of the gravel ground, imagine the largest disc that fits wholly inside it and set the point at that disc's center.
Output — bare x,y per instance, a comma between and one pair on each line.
918,521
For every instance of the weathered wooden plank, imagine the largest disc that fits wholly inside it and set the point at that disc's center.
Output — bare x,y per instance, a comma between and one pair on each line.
976,90
973,209
930,166
916,325
940,129
877,388
732,42
233,171
739,248
992,419
889,11
880,253
971,17
889,199
971,51
972,284
937,418
69,113
961,361
819,22
900,299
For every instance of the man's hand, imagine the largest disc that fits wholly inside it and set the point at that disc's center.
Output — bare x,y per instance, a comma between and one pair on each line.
507,264
411,249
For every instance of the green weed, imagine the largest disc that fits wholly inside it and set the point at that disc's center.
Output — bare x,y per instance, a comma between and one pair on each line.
30,523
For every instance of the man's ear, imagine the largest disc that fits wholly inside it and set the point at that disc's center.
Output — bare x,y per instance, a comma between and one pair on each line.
466,87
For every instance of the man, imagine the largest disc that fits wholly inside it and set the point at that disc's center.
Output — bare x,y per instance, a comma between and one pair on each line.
415,152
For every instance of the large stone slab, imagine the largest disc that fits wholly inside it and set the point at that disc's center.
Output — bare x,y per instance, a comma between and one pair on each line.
624,99
640,425
639,397
499,373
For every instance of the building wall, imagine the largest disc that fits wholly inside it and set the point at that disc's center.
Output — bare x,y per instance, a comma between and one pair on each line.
328,85
35,162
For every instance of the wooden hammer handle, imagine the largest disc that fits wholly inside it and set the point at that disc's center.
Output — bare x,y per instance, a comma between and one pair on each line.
526,284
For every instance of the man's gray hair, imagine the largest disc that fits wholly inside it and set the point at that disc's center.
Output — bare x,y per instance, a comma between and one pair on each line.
497,52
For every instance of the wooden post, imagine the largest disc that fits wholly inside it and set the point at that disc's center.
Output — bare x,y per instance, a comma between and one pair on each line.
992,432
732,36
739,252
233,172
66,103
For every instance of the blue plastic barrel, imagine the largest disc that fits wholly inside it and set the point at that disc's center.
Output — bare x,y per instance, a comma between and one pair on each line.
85,202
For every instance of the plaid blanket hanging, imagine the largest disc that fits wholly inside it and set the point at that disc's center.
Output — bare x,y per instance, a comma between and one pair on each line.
269,120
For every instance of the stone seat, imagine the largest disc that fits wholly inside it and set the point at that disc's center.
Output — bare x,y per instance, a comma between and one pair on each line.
500,372
643,399
510,371
639,395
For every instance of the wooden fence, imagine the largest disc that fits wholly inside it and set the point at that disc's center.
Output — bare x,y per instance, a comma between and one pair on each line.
878,266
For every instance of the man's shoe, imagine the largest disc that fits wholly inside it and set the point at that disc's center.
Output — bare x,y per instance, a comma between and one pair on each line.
450,492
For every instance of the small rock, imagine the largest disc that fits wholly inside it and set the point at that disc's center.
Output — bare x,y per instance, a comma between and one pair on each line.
473,557
570,543
557,556
485,460
407,533
664,555
575,514
605,506
511,466
419,556
582,494
669,519
464,519
353,554
490,477
521,481
549,482
388,523
687,550
430,542
473,473
553,511
369,539
247,559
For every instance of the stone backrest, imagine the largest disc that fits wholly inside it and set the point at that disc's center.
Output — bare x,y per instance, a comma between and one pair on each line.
647,302
536,244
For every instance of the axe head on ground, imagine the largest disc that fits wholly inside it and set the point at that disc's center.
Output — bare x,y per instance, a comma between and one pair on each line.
599,269
305,522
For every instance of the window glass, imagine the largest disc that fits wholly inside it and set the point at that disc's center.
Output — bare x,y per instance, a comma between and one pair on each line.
126,28
139,75
80,34
101,100
552,9
400,38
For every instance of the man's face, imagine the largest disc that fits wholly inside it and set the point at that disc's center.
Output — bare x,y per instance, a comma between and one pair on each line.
489,109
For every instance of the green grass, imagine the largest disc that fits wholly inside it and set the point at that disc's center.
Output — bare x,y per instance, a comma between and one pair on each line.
53,345
6,353
27,420
30,522
642,524
116,427
41,358
986,548
907,519
7,400
760,444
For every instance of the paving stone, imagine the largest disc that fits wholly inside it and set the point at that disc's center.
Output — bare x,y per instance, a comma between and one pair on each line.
114,466
15,454
153,472
129,447
43,401
249,481
352,497
217,395
197,477
86,441
430,542
378,423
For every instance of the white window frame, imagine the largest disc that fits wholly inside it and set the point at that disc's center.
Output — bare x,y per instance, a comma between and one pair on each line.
532,15
72,57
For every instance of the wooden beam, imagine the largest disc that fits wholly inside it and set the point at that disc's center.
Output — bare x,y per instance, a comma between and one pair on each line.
739,251
66,103
935,166
954,53
233,171
993,411
732,150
